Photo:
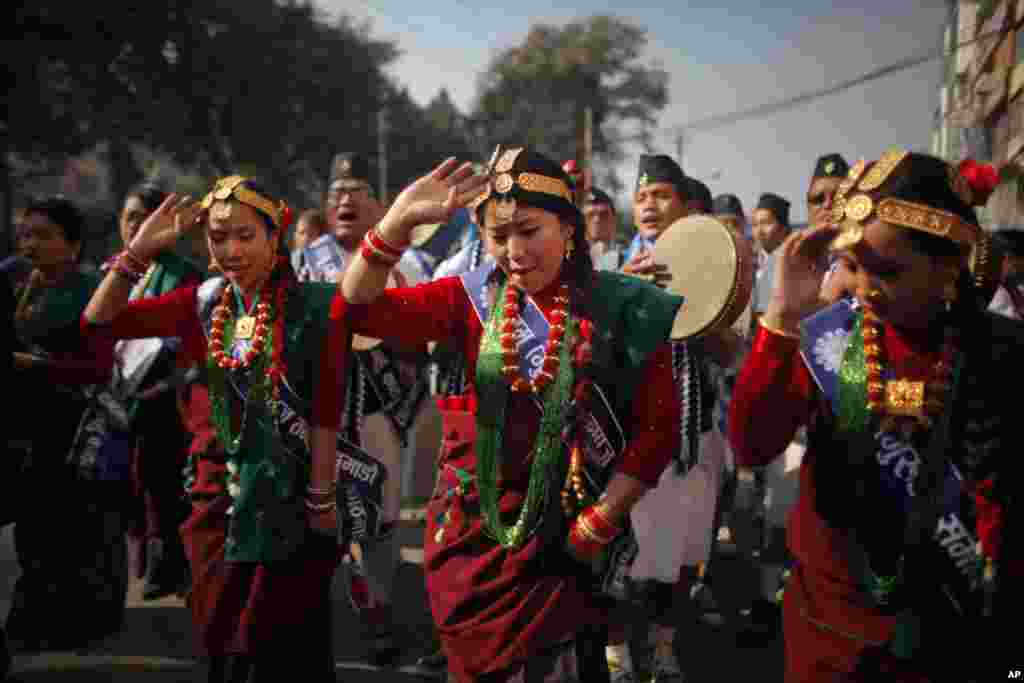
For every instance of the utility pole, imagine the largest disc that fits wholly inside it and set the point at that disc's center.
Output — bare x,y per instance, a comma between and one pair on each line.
680,145
382,150
588,150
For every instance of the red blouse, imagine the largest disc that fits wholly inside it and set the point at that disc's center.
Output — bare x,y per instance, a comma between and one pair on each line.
175,315
441,310
495,606
775,394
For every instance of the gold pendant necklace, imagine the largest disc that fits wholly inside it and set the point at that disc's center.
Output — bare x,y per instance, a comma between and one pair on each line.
244,327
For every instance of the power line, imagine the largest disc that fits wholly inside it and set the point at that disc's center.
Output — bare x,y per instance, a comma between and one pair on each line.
768,109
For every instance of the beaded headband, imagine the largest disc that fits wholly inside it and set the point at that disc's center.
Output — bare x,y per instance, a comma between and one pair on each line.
232,186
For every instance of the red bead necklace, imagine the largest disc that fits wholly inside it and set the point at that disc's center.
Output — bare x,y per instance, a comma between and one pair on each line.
509,337
222,313
243,329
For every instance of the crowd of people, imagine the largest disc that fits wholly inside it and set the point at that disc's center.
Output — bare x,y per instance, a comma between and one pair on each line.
236,431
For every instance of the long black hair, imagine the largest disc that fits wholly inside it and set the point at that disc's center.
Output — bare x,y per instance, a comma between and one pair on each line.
149,193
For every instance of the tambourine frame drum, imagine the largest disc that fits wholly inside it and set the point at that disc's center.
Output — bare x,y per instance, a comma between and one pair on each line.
712,269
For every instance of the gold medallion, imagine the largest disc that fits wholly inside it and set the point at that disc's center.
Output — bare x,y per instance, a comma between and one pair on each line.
903,397
859,207
503,183
244,327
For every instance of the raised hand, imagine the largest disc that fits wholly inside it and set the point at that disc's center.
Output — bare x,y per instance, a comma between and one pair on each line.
164,227
798,274
432,199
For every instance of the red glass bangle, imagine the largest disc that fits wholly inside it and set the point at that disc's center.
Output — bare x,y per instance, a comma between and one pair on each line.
583,547
382,245
602,527
376,256
399,248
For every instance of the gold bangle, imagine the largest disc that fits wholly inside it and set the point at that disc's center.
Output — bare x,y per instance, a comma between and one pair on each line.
778,331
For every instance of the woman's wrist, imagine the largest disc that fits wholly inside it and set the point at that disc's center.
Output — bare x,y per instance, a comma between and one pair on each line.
394,231
781,321
139,252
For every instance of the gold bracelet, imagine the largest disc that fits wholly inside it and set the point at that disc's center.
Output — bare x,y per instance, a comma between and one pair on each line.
778,331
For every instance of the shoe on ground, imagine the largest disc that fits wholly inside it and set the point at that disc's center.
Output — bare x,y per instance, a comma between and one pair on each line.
434,660
165,574
764,624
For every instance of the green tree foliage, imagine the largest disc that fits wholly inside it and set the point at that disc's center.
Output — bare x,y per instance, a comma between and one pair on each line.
536,92
268,87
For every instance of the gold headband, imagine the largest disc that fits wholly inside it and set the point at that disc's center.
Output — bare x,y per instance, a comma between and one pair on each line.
503,181
231,186
853,211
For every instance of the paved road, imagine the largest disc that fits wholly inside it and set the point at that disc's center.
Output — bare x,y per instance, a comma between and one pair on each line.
155,646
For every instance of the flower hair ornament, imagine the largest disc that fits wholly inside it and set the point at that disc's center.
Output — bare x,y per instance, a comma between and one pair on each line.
974,183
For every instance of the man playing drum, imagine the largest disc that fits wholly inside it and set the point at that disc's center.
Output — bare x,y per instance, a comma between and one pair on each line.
668,555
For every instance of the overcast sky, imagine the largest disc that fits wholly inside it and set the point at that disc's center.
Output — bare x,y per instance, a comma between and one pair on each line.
720,56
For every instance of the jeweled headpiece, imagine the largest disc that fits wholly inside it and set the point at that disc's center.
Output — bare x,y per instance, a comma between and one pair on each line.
233,187
518,175
916,205
854,206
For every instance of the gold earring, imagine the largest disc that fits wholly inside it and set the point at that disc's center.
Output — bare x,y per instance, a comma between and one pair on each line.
569,247
949,292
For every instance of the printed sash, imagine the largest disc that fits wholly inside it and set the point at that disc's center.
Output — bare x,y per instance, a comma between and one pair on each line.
824,339
324,259
599,447
360,477
399,383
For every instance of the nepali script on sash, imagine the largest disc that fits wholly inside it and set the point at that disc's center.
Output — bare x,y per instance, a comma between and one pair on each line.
599,448
823,343
360,476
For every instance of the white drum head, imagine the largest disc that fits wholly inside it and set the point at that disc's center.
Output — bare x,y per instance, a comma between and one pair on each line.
701,255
